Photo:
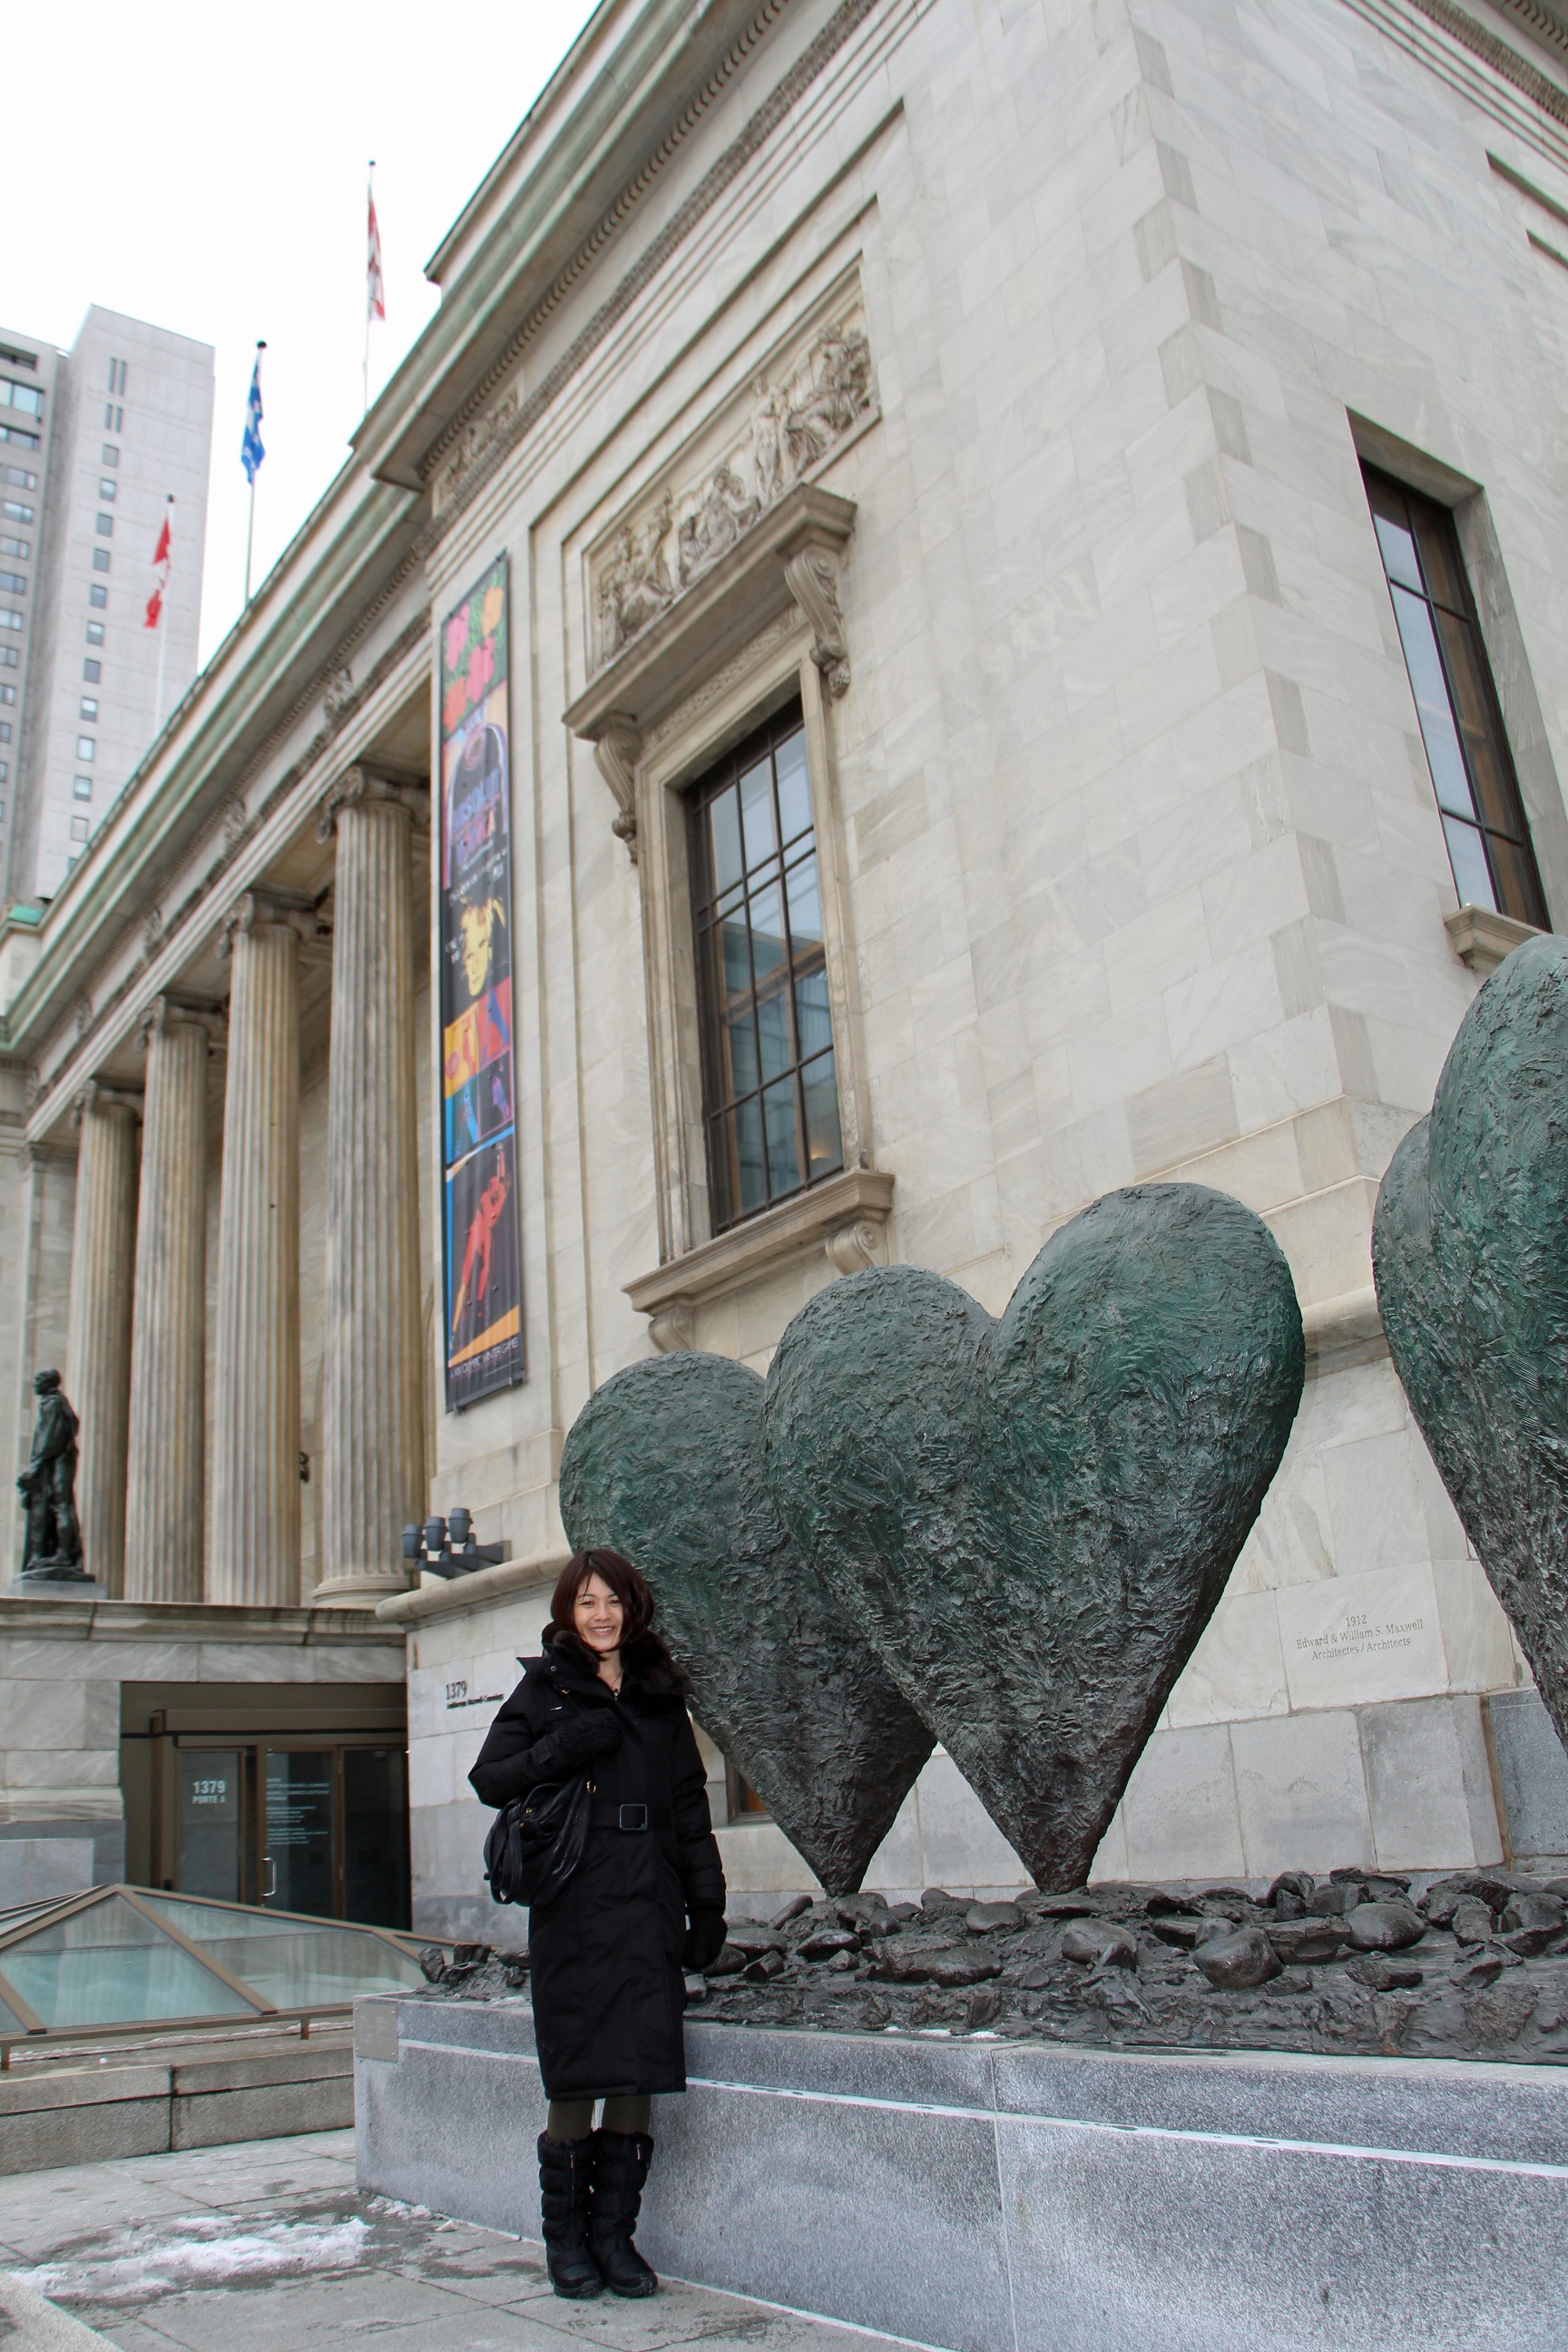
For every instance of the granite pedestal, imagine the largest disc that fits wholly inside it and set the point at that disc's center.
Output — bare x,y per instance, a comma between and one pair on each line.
995,2196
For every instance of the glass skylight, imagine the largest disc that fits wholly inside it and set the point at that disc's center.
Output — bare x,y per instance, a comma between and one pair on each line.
119,1956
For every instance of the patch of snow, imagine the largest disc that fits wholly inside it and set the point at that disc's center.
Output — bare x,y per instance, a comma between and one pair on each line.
201,2250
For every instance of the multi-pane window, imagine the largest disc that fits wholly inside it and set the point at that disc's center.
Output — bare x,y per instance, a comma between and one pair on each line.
769,1085
1456,703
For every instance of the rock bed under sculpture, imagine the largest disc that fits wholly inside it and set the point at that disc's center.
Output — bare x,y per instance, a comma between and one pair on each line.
1356,1964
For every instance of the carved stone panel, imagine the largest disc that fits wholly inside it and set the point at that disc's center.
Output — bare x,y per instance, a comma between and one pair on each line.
813,392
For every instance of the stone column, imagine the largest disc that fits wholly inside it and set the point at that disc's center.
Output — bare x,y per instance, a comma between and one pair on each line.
165,1531
98,1349
254,1554
373,1420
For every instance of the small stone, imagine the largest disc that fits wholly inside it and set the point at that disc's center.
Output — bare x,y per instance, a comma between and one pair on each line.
984,2008
432,1963
1474,1974
823,1942
904,1913
1296,1886
844,1962
1383,1927
1306,1943
963,1968
1185,1934
1039,1977
1470,1921
1529,1942
937,1904
1380,1974
728,1962
1502,2012
1387,1887
792,1910
1160,1906
857,1910
696,1988
1066,1906
1558,1886
1099,1943
985,1919
767,1964
1335,1900
1236,1963
471,1956
752,1940
1224,1895
1541,1910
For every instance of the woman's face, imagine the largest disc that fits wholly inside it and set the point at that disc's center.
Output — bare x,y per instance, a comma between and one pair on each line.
598,1616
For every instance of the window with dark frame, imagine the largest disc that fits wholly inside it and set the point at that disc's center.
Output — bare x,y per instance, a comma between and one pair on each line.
1456,703
770,1087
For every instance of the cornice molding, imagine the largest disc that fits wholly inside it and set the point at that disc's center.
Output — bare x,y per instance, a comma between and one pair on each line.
511,427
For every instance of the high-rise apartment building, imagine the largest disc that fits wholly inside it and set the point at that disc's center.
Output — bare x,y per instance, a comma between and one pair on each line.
94,442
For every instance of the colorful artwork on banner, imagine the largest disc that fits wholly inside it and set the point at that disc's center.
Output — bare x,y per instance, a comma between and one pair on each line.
483,1262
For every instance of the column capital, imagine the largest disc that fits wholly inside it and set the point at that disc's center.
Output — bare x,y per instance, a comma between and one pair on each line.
357,785
96,1097
275,910
166,1012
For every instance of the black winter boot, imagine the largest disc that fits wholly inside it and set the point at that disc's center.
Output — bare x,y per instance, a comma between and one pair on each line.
566,2176
621,2160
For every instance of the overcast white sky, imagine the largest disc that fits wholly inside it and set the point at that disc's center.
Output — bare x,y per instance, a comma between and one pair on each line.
204,168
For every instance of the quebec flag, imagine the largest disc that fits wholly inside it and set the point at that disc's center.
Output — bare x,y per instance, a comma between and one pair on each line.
251,452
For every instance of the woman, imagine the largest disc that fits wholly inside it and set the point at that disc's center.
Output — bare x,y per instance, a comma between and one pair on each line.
608,1951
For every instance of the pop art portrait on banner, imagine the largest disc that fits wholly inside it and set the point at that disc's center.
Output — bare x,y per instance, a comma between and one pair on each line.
481,1255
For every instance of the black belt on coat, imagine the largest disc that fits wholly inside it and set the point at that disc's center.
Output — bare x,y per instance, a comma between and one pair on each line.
604,1814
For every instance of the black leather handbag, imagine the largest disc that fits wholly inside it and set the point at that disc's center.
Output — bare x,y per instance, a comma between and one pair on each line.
536,1842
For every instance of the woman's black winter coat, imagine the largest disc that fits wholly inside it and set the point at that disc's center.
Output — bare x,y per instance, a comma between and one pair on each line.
605,1952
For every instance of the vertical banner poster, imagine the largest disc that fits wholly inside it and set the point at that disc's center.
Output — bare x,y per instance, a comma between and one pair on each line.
482,1259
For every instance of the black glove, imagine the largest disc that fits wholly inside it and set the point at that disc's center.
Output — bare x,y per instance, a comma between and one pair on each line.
704,1940
580,1740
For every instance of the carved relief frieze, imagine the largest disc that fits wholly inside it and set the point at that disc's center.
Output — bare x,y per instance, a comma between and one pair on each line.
795,413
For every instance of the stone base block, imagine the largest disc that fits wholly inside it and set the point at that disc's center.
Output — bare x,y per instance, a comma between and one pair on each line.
997,2197
1532,1774
87,2112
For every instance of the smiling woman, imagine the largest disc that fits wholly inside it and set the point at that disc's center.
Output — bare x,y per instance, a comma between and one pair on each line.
606,1700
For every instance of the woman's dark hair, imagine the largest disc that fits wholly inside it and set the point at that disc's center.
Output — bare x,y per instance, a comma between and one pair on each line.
643,1654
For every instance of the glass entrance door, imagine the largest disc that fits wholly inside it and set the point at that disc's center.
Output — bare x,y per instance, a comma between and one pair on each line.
211,1821
299,1848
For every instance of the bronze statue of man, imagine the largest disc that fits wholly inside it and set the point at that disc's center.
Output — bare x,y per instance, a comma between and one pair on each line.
48,1486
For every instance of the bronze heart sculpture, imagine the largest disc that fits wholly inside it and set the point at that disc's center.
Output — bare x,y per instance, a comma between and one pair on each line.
665,1463
1470,1256
1030,1520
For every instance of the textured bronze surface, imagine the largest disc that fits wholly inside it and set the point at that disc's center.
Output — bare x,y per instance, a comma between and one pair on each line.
665,1463
1470,1256
1031,1520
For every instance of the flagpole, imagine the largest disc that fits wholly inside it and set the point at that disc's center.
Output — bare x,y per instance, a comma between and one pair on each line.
367,300
249,538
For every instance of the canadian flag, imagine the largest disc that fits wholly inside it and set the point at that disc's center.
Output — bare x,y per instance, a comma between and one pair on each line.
375,294
162,562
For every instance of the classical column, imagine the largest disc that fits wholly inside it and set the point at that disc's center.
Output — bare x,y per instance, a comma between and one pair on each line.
373,1420
165,1493
255,1555
98,1349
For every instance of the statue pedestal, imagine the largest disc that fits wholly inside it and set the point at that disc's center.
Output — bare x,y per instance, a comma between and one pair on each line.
38,1584
993,2194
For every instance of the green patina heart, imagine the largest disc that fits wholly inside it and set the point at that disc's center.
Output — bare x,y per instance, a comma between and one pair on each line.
665,1463
1031,1520
1470,1252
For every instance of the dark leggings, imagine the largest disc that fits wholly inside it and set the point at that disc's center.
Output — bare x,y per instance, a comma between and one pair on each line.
573,2118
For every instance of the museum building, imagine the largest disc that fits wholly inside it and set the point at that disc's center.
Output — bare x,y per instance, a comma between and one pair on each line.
959,607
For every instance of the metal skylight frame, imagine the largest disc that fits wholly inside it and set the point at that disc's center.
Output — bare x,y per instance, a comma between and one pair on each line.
19,1924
